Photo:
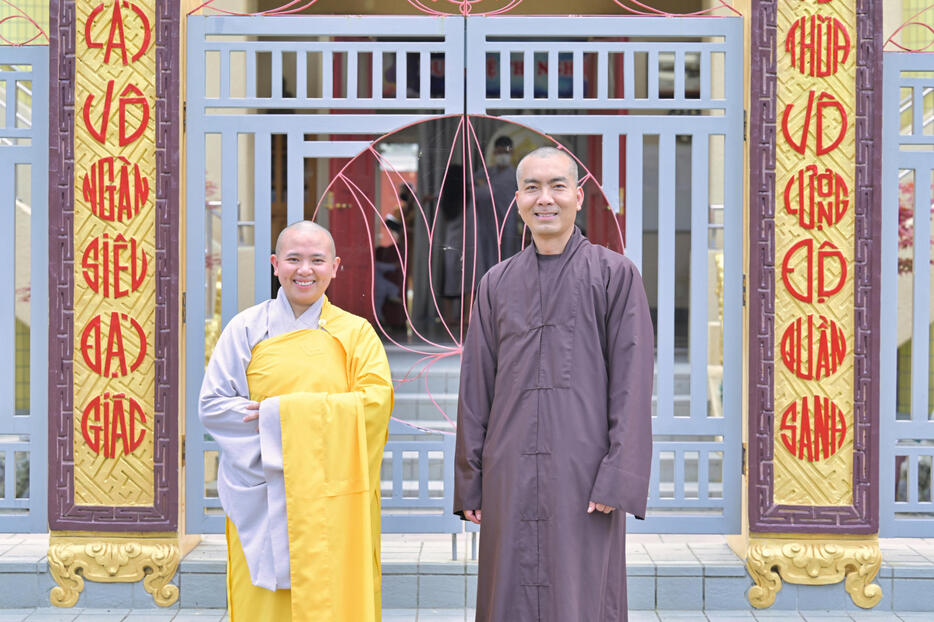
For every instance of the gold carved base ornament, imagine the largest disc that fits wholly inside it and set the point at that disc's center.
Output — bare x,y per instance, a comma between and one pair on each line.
116,559
814,560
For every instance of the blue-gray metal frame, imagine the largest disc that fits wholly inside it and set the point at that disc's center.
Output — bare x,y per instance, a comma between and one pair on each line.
557,114
906,440
714,439
29,144
386,112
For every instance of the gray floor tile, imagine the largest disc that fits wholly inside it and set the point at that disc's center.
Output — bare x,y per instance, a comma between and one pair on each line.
681,616
642,616
6,616
440,615
399,615
826,616
150,615
874,616
773,615
729,615
916,616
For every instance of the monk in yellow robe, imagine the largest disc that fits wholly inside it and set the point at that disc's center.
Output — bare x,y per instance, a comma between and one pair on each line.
298,396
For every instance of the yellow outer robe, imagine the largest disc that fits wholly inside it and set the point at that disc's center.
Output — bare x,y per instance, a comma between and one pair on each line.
335,399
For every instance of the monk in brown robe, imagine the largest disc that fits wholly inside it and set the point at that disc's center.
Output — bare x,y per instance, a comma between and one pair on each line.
554,439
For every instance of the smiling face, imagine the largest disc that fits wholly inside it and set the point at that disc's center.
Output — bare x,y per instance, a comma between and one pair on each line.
305,264
548,198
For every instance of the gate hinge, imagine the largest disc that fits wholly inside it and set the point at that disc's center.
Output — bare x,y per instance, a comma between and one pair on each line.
184,116
183,449
743,465
185,305
744,289
745,123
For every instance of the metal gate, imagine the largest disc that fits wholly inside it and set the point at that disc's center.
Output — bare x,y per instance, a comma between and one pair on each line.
907,334
678,82
24,297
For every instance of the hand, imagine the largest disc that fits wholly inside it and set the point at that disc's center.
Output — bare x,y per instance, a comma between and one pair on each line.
606,509
253,416
473,516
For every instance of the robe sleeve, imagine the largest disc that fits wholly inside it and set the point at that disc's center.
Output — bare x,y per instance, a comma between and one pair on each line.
241,477
222,405
370,394
622,479
478,377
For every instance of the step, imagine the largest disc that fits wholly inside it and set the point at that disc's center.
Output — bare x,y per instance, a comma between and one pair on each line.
665,572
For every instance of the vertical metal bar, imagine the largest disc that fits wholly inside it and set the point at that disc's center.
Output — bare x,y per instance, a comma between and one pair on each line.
377,76
920,335
250,73
262,214
577,74
39,298
9,476
888,349
917,111
703,476
634,151
666,278
552,74
603,75
352,90
424,76
732,279
194,269
528,75
705,77
423,474
327,74
229,217
505,75
301,74
10,103
698,275
679,75
295,169
610,144
629,75
276,74
912,483
224,92
401,76
397,491
7,287
652,74
679,459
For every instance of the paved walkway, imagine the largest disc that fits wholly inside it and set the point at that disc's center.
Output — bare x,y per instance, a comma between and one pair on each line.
460,615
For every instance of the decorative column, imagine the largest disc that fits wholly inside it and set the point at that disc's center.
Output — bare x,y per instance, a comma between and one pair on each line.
814,301
113,390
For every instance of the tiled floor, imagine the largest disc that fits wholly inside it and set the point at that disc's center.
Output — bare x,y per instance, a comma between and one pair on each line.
460,615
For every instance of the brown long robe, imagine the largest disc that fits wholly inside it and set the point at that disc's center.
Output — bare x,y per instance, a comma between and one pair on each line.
555,411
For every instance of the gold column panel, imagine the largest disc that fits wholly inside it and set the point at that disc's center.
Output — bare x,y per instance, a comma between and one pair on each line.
118,559
115,189
816,101
813,560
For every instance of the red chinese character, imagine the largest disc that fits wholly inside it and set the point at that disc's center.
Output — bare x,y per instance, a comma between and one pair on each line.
813,347
818,45
110,418
827,254
117,37
110,359
100,135
824,101
815,431
114,193
823,198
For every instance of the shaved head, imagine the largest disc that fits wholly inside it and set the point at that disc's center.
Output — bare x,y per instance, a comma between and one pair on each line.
550,152
306,226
